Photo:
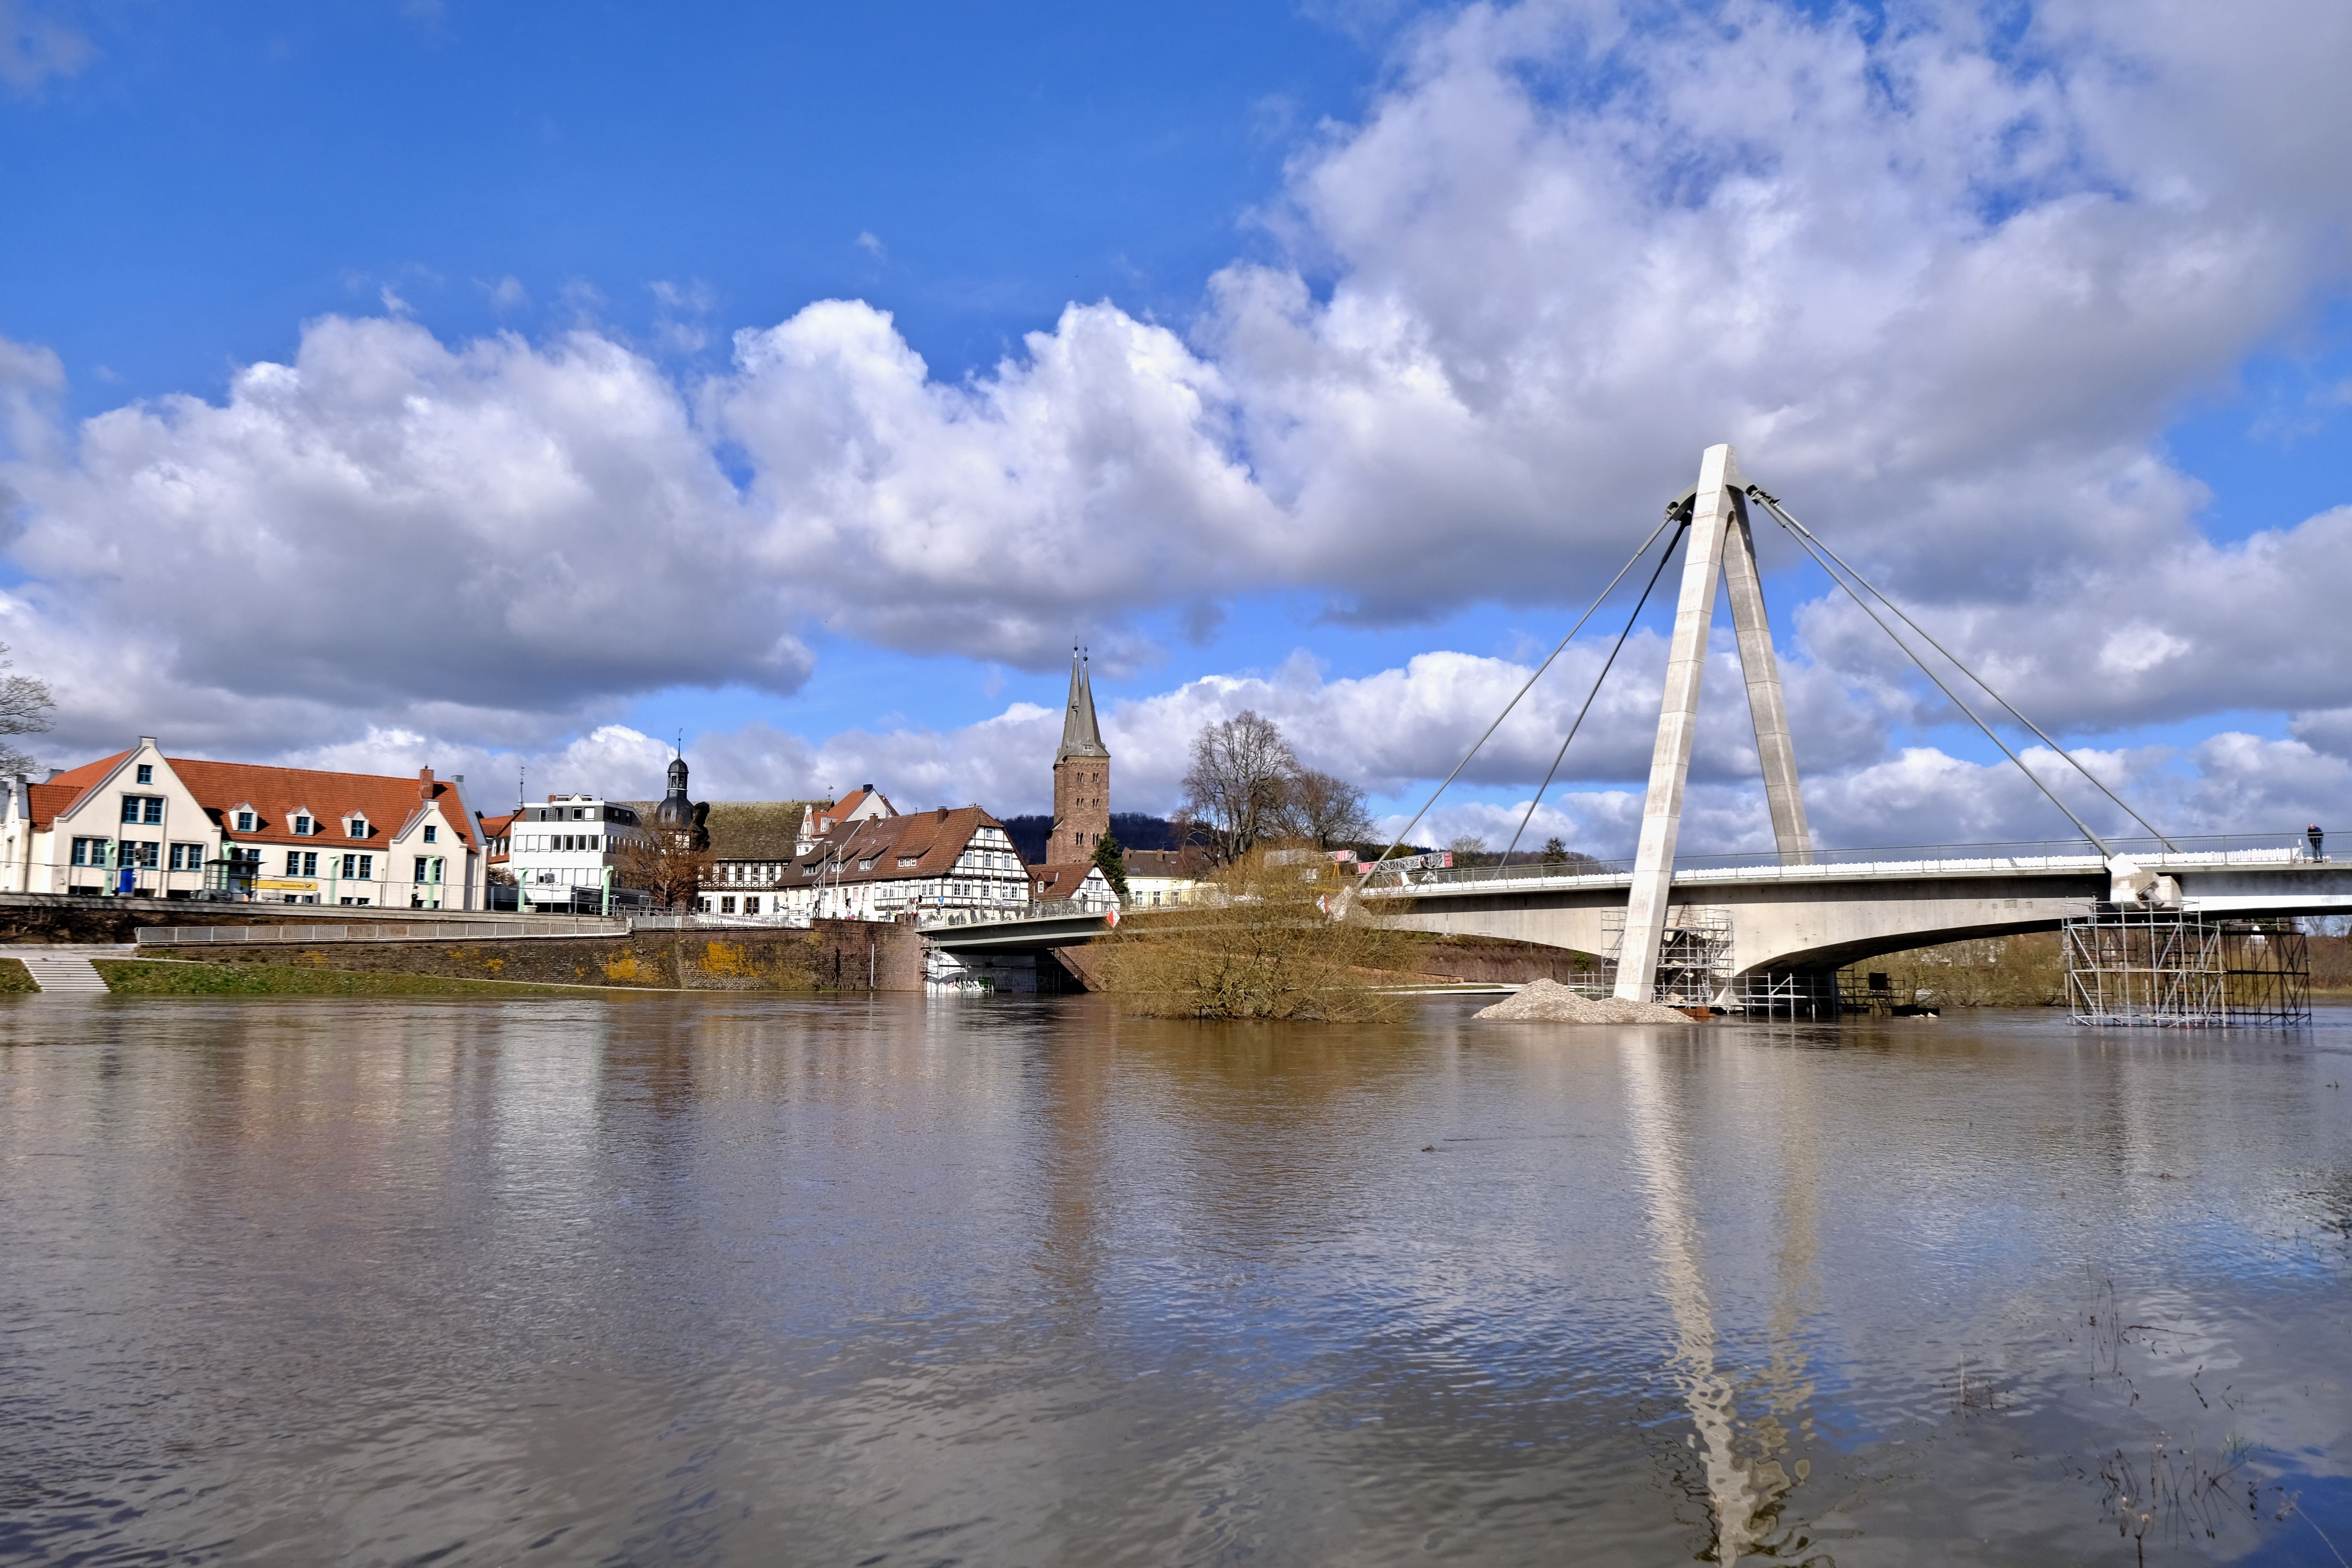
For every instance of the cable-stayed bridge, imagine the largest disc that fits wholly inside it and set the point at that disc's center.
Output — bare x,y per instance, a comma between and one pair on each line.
1786,919
1798,912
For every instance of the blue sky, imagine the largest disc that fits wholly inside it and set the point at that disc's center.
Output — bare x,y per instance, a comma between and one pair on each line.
1391,344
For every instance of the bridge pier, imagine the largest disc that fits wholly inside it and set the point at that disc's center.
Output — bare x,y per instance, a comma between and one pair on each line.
1720,545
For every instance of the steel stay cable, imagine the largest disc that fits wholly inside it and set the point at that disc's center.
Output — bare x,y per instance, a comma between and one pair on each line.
1606,665
1781,512
1805,542
1632,561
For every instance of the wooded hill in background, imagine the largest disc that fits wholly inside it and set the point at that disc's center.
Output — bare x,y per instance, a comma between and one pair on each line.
1133,830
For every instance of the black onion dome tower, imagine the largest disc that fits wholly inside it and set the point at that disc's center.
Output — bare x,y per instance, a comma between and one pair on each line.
676,814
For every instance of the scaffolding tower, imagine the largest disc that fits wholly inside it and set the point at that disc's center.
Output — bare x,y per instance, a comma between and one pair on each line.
1693,953
2167,969
1787,994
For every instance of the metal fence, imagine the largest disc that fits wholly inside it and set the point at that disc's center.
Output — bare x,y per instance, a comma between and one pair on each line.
384,930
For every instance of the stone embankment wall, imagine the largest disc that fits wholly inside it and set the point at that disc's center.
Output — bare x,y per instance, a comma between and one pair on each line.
834,955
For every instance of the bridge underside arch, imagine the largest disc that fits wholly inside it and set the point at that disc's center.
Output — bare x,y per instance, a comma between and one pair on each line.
1831,923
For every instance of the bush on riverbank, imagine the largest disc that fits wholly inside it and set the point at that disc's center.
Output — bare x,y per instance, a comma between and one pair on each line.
2029,970
176,977
1988,972
1264,945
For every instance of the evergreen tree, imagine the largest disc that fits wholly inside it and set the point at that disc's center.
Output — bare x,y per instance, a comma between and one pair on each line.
1111,857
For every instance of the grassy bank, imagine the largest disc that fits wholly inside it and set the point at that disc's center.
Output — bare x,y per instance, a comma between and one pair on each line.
15,976
1267,946
177,977
2031,971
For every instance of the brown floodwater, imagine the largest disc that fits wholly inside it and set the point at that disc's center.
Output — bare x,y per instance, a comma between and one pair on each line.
755,1280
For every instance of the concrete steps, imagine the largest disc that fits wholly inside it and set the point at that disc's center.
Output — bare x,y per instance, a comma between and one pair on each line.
59,970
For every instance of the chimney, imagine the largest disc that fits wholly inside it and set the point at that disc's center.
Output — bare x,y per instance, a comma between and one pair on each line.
425,783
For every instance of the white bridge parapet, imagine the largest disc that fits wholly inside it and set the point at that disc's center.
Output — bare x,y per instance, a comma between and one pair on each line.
1847,905
2031,858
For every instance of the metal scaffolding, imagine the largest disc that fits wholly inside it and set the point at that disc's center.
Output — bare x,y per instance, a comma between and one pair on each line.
1694,954
1787,994
2162,968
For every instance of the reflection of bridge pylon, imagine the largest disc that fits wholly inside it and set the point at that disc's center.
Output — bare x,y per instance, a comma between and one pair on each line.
1720,545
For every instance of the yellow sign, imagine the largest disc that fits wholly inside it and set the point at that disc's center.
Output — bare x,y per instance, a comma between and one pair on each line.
282,885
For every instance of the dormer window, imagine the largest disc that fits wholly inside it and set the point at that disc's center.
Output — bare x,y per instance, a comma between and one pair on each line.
303,826
866,864
909,859
357,827
245,819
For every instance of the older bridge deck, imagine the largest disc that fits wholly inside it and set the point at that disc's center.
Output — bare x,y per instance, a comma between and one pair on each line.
1850,905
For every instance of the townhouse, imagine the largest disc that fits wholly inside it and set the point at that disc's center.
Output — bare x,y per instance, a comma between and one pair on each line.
139,823
879,867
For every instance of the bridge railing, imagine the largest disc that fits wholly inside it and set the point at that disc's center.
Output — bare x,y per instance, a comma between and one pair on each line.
2023,855
1035,910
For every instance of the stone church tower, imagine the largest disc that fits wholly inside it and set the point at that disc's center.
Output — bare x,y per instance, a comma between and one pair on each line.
1081,776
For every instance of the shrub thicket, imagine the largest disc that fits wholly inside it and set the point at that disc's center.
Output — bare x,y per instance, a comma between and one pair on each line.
1264,943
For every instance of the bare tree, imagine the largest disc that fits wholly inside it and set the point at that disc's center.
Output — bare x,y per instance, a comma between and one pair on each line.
1236,788
1470,850
1325,808
25,705
672,866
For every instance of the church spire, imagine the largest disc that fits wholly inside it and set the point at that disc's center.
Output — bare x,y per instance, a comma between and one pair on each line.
1081,736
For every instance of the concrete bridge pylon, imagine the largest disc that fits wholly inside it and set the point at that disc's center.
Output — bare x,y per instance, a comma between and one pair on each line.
1720,545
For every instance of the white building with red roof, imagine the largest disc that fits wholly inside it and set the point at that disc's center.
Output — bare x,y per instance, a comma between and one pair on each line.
879,867
139,823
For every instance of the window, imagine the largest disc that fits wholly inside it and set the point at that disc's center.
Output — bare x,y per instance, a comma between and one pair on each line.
146,773
89,851
359,827
304,826
144,853
360,867
245,822
302,863
367,870
907,859
187,857
432,835
143,809
421,863
726,906
437,864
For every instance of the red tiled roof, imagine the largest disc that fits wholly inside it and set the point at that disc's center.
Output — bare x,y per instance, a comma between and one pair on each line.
43,801
932,839
1059,881
389,803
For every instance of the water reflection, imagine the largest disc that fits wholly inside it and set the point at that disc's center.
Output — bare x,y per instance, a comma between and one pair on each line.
669,1279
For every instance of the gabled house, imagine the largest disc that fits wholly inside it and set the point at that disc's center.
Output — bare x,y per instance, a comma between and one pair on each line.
139,823
863,804
881,868
754,844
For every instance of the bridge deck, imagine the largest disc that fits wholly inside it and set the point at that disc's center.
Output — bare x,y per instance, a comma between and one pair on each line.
2073,859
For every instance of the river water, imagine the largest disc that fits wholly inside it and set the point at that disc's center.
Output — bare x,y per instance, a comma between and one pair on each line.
752,1281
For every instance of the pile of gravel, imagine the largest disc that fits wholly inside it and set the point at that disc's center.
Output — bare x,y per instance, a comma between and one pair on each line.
1549,1002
